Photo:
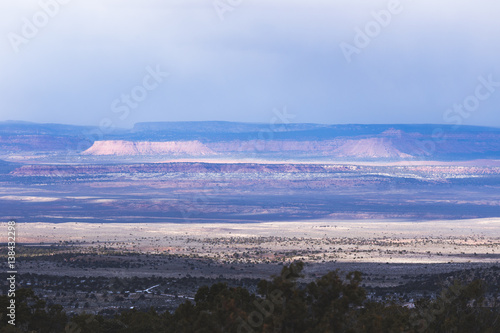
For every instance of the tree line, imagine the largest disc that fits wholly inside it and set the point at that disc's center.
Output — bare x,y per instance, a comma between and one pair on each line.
332,303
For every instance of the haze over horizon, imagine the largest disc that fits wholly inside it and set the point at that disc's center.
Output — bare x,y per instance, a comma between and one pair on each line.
450,127
342,62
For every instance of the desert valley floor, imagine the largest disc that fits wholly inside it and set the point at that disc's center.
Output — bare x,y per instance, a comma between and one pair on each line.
108,267
395,241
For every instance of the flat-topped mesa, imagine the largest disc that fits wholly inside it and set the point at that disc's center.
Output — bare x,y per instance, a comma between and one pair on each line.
131,148
370,148
356,142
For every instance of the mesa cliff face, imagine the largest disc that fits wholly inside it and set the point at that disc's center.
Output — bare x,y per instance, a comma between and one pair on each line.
361,148
246,140
370,148
129,148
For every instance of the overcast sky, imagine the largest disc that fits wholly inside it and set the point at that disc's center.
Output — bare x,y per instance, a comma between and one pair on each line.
90,61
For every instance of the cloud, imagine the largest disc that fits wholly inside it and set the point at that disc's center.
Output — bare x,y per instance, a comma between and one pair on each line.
263,55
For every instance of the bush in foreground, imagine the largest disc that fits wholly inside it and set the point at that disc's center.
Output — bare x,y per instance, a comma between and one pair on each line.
332,303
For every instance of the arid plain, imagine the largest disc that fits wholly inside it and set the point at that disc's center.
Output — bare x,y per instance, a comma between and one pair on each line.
445,241
135,224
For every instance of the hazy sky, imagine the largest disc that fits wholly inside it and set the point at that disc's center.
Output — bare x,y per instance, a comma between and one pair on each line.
89,61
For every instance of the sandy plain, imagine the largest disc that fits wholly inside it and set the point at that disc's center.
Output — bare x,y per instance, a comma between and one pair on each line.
393,241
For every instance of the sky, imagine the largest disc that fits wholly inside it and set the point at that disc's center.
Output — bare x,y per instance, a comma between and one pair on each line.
95,62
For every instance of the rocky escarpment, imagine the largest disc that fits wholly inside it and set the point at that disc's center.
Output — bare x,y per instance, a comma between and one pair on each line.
242,140
130,148
360,148
409,171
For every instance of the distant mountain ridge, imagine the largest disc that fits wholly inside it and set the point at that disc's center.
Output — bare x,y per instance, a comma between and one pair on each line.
216,138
